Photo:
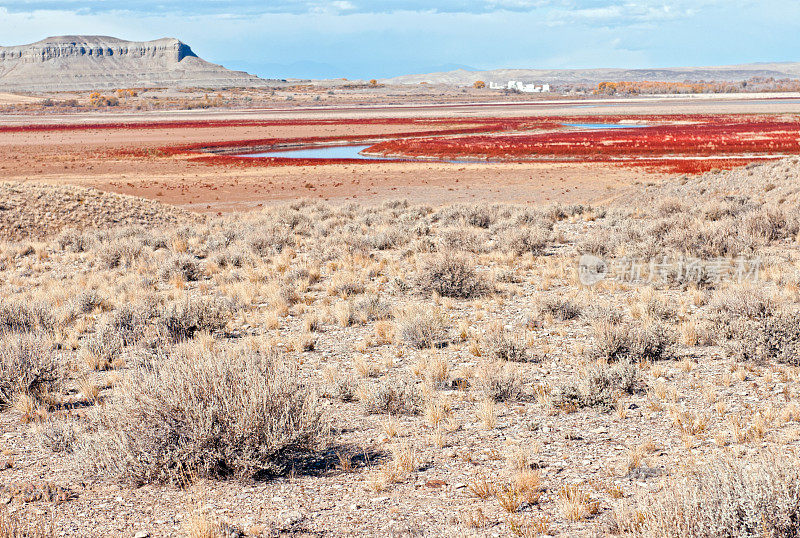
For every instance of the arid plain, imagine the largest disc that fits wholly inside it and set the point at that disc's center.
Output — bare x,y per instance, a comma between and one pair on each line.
567,330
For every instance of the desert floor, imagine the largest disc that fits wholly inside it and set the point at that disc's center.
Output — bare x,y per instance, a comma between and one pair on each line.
418,340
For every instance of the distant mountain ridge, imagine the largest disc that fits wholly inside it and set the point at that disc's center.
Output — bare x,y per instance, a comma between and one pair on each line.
67,63
732,73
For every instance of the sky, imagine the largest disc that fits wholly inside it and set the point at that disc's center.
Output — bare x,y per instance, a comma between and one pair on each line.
384,38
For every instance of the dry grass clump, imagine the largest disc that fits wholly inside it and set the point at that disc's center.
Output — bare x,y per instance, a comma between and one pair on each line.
599,386
423,327
633,343
531,240
576,503
451,275
58,436
23,317
119,253
401,397
182,267
183,318
29,366
103,349
729,497
742,302
500,382
502,344
201,414
560,309
772,338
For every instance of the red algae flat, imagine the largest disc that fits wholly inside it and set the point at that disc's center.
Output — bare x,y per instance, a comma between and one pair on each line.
672,143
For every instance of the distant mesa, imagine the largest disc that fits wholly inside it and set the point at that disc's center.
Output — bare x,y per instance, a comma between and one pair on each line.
75,63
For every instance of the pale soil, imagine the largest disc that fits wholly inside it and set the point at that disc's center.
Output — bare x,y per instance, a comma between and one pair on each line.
13,99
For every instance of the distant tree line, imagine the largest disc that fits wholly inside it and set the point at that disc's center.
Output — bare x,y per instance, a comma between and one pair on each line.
754,84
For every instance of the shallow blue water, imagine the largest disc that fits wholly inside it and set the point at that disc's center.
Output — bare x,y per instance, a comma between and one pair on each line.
322,152
354,152
603,126
341,152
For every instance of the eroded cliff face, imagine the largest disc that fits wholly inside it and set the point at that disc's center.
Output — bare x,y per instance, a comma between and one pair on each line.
168,49
101,62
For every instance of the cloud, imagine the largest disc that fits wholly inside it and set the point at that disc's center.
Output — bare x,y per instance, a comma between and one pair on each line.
588,8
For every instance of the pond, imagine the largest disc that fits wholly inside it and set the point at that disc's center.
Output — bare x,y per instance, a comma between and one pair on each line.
603,126
318,152
347,152
354,151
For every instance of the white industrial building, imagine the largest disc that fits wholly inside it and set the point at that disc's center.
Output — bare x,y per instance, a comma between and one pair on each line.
520,87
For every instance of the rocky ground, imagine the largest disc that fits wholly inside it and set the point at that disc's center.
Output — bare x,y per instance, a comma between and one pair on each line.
441,370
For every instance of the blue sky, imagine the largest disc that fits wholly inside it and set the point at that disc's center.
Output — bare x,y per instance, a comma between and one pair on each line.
380,38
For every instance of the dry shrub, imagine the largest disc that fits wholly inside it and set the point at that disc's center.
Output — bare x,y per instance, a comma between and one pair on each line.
423,327
119,253
371,308
346,284
264,242
464,239
527,240
500,382
72,240
707,240
388,238
394,398
502,344
632,343
231,258
181,266
479,216
560,309
599,386
729,497
131,321
103,349
742,302
57,436
451,275
87,301
773,338
29,366
193,413
770,224
23,317
183,318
